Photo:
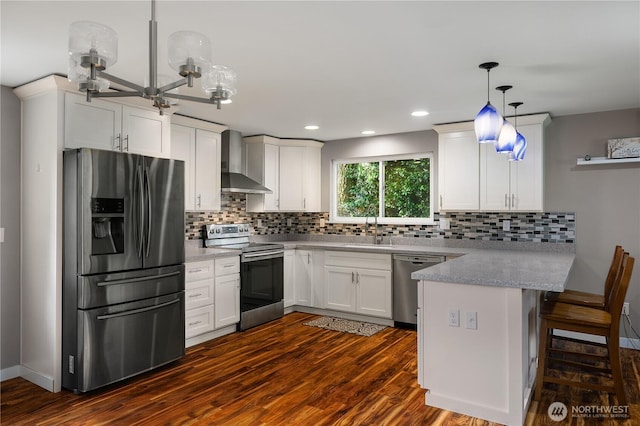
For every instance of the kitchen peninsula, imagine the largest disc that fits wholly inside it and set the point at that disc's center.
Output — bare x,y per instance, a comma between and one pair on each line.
477,330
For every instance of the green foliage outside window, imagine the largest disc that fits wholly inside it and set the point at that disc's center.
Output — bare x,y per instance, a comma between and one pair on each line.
406,189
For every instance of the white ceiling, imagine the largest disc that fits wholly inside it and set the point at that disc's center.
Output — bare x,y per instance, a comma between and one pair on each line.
353,65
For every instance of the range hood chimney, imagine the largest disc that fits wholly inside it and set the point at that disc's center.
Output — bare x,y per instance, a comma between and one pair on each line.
233,166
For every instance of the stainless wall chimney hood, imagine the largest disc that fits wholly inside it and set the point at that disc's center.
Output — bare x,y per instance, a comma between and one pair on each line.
233,166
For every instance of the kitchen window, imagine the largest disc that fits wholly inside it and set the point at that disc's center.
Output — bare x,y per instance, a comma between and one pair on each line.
393,189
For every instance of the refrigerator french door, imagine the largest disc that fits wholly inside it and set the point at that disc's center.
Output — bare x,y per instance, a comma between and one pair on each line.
123,276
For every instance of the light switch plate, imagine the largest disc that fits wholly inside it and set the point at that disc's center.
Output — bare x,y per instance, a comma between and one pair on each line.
444,223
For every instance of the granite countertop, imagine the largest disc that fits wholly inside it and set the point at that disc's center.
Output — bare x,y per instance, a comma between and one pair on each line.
498,268
194,253
516,268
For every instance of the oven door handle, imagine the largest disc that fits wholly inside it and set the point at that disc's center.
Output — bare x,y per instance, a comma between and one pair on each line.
263,255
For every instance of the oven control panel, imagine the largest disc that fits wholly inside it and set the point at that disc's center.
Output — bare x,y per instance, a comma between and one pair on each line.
227,231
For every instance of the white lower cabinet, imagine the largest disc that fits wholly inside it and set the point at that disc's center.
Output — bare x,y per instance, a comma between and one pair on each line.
212,296
303,277
289,264
358,283
227,291
199,298
308,286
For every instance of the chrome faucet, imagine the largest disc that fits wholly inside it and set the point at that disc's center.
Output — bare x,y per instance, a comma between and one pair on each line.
376,239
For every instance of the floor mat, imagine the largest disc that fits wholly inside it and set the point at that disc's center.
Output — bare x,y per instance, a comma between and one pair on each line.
346,326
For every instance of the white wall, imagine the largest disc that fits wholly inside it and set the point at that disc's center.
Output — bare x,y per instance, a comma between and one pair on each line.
606,199
10,248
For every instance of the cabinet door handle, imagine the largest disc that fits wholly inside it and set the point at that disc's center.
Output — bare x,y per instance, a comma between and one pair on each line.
506,200
116,143
199,202
357,278
353,277
125,143
441,201
304,203
308,258
513,200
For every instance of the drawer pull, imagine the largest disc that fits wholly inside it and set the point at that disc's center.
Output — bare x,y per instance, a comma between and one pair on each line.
195,295
191,324
193,271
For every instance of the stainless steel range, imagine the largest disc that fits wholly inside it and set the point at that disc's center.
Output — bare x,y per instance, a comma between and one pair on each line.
261,273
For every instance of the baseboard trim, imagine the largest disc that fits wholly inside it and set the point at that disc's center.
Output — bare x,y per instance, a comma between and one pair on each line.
625,342
39,379
10,373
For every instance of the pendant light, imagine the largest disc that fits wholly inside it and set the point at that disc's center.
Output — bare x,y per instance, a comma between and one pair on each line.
507,137
488,122
520,146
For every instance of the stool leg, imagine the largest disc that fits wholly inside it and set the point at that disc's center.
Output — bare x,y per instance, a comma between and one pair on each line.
542,358
613,343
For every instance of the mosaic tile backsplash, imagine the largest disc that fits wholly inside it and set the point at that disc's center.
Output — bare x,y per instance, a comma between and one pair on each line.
525,227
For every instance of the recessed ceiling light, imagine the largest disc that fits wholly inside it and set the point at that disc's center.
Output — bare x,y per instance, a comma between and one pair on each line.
368,132
311,127
419,113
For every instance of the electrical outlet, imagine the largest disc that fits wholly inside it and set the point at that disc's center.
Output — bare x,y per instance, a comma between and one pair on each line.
625,308
444,223
506,225
322,224
288,221
454,318
472,320
259,223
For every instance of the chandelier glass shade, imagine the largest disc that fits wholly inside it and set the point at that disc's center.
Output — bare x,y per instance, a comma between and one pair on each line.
93,48
488,122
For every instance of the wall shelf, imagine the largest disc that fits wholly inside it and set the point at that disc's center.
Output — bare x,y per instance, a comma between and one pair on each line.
605,160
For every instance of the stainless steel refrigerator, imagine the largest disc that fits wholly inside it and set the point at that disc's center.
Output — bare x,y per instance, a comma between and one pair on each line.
123,266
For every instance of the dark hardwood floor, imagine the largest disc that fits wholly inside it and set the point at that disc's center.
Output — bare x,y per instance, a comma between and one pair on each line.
281,373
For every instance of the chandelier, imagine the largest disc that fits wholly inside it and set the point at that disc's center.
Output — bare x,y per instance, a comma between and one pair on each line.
93,47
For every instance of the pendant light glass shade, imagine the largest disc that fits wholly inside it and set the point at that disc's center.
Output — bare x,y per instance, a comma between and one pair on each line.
519,148
507,138
189,52
488,124
520,145
221,77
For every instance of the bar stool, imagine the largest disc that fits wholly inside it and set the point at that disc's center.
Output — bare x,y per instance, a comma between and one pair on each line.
591,300
594,321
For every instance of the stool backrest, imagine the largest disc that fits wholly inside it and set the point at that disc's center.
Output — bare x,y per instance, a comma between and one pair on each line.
619,290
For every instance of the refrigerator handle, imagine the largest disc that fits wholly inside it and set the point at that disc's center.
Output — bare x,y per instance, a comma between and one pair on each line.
139,221
148,191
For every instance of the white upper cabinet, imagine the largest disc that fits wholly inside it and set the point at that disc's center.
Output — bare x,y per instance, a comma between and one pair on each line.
290,168
458,171
474,176
197,143
109,125
513,185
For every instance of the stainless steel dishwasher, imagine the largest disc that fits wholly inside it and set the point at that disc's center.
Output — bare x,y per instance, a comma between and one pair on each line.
405,289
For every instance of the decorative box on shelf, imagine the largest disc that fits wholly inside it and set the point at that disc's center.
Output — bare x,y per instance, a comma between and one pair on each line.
623,148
